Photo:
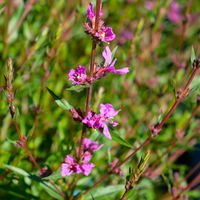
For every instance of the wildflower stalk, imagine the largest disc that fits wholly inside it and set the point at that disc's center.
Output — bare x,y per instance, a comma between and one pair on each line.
89,91
158,128
22,139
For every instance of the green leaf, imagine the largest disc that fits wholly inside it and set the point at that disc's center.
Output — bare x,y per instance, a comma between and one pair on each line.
114,51
118,139
192,55
61,102
100,192
17,170
43,183
77,88
50,190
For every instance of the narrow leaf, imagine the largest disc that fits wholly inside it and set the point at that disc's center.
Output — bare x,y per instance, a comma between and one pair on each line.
118,139
50,190
77,88
192,55
114,51
43,183
61,102
17,170
101,192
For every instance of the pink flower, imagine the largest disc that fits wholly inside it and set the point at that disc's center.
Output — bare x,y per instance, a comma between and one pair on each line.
149,5
78,76
87,168
70,166
110,65
90,12
174,13
91,146
104,34
99,121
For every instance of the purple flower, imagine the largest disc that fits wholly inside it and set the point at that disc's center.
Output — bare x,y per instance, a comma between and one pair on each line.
105,34
149,5
107,54
99,121
91,146
174,13
70,166
107,111
90,12
78,76
87,168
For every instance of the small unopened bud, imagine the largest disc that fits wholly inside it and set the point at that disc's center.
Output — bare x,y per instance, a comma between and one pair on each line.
196,63
155,130
44,172
77,114
183,94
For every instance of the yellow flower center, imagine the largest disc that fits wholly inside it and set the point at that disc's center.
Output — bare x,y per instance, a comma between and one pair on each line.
102,35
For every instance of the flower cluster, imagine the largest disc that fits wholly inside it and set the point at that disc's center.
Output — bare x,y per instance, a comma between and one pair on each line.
103,33
79,75
100,121
71,165
81,163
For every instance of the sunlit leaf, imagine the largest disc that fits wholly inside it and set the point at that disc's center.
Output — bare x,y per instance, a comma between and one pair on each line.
77,88
192,55
101,192
61,102
121,141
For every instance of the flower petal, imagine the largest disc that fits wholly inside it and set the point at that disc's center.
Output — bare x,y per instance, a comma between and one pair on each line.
107,54
106,132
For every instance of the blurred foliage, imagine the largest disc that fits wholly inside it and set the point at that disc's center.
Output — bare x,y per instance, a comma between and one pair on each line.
45,43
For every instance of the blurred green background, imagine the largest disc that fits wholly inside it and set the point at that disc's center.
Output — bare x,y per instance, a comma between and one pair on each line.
45,39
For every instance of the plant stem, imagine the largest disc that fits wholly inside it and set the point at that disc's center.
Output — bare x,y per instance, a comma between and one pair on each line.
92,67
22,138
89,91
177,102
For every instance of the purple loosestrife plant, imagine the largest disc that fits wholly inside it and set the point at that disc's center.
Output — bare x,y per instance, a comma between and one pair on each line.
104,34
107,112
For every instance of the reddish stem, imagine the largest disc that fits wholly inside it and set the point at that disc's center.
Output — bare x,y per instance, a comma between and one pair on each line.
92,64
